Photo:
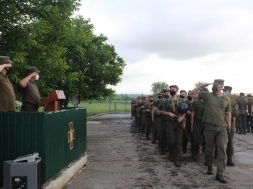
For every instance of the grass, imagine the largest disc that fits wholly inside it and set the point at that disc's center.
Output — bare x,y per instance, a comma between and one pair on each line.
99,107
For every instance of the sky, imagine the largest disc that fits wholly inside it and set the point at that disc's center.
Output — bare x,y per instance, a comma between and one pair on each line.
179,42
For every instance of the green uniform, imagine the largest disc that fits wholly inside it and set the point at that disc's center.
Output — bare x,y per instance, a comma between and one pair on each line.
215,128
30,97
148,118
198,107
174,131
7,95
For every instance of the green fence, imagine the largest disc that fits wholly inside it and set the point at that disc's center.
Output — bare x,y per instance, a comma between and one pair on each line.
59,137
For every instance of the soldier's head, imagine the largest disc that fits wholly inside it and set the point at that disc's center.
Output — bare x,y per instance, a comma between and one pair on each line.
33,70
6,60
227,90
167,93
249,96
217,85
151,98
241,95
173,90
183,94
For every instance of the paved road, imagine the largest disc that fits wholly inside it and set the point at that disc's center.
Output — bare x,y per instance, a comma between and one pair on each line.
120,159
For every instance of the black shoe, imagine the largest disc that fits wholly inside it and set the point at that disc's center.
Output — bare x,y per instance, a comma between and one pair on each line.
206,164
177,164
163,152
194,157
221,179
153,141
171,158
184,151
248,131
209,170
230,163
240,133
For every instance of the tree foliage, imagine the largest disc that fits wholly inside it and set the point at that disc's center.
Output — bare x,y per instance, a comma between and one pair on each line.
156,87
64,49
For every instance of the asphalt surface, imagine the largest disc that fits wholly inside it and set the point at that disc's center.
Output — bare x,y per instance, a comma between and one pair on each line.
120,159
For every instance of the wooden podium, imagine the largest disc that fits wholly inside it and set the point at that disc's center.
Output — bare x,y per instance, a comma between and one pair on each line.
52,102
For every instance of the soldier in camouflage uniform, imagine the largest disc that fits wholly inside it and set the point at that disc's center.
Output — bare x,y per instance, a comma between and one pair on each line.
156,119
217,119
230,147
197,126
148,108
242,117
163,120
174,130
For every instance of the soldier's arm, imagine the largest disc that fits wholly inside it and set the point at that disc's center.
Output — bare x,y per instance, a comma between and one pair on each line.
228,119
23,83
194,92
192,119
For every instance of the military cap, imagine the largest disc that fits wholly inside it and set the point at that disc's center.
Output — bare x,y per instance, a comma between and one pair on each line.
183,91
164,90
5,60
249,95
175,86
227,88
241,93
218,82
31,70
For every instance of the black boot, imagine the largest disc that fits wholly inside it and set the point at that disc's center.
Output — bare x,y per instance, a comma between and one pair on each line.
210,170
230,162
177,164
221,179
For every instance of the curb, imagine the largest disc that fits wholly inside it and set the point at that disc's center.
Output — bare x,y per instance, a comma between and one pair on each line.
66,174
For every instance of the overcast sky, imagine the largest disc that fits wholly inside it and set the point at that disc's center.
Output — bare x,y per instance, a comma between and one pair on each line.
178,42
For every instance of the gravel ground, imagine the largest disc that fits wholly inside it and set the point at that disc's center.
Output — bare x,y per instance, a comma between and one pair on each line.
120,159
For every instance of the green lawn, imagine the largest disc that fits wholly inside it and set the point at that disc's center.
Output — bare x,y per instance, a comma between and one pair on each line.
96,107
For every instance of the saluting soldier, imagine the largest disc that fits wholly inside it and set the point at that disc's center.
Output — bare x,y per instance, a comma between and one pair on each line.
30,92
217,118
7,95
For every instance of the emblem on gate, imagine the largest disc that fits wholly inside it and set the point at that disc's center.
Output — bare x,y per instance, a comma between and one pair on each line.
71,136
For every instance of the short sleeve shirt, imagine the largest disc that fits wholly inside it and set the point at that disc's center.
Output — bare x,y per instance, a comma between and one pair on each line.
30,94
7,95
198,107
215,108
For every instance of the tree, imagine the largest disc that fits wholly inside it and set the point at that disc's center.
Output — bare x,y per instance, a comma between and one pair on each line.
156,87
64,49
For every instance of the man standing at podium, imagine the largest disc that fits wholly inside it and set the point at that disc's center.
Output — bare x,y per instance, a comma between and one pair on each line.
7,95
29,90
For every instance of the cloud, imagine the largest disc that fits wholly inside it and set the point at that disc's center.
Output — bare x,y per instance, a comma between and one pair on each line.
180,42
173,29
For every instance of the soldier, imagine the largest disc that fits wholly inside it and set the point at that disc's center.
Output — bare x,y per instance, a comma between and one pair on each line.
7,95
186,135
197,126
230,147
242,117
174,130
134,114
217,120
156,118
139,113
183,95
29,90
249,115
164,119
148,108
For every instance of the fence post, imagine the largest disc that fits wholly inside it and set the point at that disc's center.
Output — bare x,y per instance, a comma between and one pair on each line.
114,105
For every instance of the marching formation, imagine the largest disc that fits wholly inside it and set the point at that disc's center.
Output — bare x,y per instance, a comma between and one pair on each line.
205,120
